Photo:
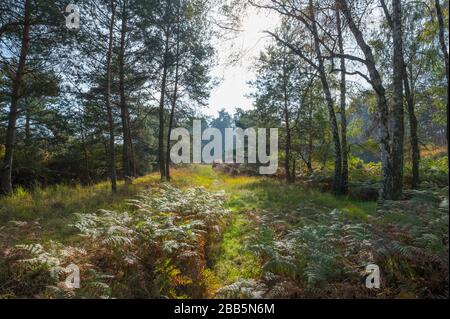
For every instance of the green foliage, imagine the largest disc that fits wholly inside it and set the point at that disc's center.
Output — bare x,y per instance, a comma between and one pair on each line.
435,170
243,289
232,260
318,253
412,242
358,168
156,250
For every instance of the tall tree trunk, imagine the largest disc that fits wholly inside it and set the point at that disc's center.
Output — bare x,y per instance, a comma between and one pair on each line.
294,168
6,184
287,148
85,151
112,159
172,110
132,152
382,107
124,112
398,131
161,153
337,183
310,141
343,102
443,47
414,140
415,151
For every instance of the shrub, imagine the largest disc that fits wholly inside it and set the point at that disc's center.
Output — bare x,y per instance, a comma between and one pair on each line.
314,252
155,250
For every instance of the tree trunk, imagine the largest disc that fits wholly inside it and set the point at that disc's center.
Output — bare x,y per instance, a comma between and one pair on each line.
124,112
112,159
287,148
398,131
309,159
162,166
132,152
337,183
382,107
415,151
294,168
443,47
343,89
310,141
411,112
172,110
6,184
85,151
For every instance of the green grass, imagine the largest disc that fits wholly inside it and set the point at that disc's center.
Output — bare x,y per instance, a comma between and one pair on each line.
232,261
252,198
55,205
249,198
275,195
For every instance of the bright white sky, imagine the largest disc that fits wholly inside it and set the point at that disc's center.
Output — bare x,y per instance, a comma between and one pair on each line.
233,88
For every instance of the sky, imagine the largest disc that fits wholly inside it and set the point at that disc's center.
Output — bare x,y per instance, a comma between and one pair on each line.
233,87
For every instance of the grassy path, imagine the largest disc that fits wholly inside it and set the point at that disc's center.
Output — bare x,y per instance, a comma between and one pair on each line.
262,209
280,239
230,260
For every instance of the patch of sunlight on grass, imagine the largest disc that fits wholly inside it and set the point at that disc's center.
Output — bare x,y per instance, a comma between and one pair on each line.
232,261
351,208
55,205
238,181
195,175
276,195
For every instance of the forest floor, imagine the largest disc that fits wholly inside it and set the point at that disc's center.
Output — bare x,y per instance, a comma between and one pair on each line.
279,240
261,207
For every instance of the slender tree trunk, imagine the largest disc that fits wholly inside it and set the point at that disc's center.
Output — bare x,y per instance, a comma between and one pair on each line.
411,112
162,165
398,131
6,184
310,141
415,151
343,102
85,151
337,183
443,47
112,159
172,110
132,152
309,159
382,107
124,113
287,148
294,168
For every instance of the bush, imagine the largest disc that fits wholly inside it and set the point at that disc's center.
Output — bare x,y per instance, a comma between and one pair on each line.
156,250
312,254
324,253
435,170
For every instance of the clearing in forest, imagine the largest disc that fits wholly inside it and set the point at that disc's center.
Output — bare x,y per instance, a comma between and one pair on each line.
209,234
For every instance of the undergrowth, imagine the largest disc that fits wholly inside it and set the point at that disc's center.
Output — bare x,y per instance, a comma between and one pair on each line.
156,249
